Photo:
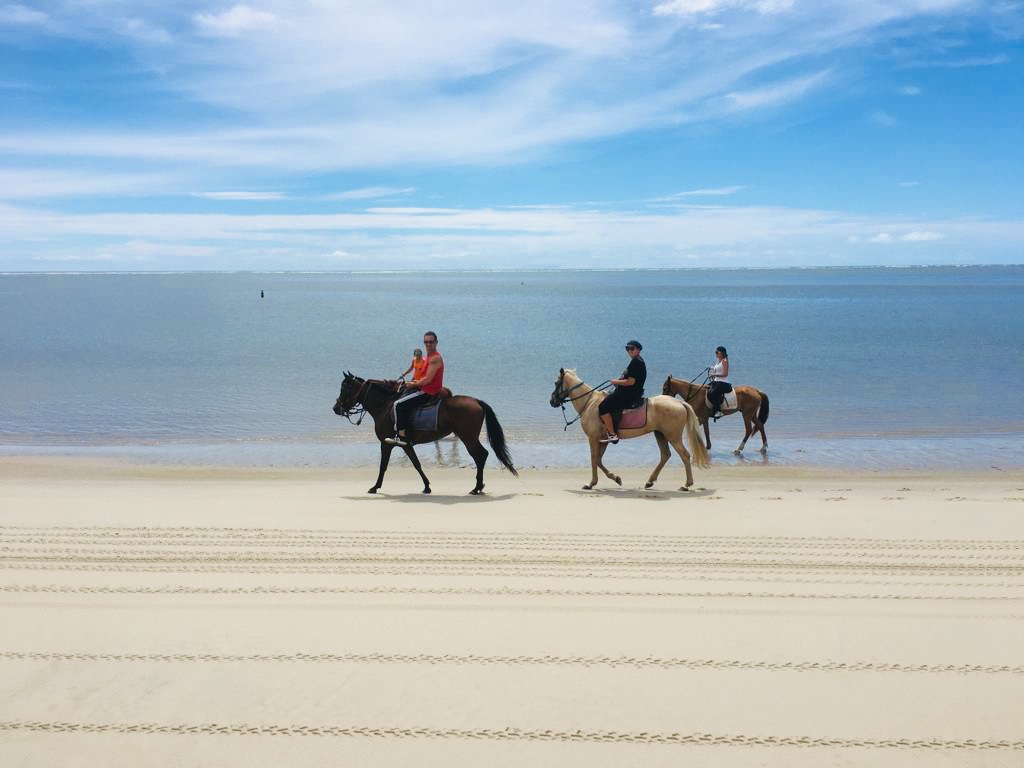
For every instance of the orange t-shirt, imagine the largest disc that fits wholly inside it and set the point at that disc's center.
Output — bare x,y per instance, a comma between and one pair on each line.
437,382
419,367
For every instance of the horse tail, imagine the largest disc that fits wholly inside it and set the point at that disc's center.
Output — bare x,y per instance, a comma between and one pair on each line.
762,413
697,449
496,437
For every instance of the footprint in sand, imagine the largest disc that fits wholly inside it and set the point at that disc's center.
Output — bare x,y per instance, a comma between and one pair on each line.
771,498
893,498
835,498
956,498
902,489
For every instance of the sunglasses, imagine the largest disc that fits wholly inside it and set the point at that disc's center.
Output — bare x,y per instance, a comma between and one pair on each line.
630,349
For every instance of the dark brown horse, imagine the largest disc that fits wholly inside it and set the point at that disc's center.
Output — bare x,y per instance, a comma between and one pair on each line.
462,415
750,401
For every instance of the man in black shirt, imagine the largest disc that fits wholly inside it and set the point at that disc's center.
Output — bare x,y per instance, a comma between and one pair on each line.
628,390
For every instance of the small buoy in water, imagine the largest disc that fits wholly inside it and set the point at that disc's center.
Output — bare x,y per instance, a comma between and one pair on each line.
261,294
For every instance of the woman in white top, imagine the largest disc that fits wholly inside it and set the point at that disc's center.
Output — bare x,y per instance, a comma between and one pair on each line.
719,378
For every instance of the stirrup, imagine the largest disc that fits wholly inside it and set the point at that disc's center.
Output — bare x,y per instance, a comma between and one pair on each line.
396,440
611,437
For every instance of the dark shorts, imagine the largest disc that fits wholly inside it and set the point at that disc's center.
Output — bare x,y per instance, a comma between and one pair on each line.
618,400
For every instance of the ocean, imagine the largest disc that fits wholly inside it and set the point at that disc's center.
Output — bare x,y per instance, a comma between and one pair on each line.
870,368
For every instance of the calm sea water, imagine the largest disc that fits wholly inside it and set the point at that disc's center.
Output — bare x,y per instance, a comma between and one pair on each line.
870,368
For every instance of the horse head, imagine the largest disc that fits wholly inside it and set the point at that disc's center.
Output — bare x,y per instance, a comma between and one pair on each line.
348,398
667,389
566,382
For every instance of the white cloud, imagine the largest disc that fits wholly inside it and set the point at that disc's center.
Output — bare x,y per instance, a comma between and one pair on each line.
233,22
910,90
709,192
366,193
549,236
144,32
27,183
19,14
241,195
711,7
776,93
881,117
973,61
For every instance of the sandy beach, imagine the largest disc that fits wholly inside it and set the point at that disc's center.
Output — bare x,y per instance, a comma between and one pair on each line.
158,616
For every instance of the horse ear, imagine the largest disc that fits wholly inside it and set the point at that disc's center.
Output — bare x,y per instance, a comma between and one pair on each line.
561,371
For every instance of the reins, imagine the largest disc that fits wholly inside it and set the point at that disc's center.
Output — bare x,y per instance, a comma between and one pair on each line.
359,408
565,397
703,373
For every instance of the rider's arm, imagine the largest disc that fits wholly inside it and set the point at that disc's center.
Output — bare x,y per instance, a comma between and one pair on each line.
725,368
431,371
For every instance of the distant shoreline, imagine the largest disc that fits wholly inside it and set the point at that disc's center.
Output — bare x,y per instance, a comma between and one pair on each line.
529,270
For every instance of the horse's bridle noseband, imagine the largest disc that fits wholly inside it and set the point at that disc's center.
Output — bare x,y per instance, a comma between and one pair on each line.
564,397
357,406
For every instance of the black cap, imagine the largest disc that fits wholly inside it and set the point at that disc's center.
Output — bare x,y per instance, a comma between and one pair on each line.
635,343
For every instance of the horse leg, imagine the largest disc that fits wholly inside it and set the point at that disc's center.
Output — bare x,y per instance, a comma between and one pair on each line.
764,437
595,459
479,454
602,447
677,443
416,463
665,454
707,434
385,457
748,430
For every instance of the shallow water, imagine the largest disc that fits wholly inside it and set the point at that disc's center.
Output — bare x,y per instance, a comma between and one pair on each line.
865,368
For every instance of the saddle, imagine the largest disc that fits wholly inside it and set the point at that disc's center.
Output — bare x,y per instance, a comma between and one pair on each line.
424,418
634,417
728,402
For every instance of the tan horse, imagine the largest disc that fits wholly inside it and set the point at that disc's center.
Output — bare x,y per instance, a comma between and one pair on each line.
667,418
750,401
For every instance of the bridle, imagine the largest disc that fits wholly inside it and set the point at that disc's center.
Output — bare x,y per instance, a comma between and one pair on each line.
357,405
358,408
565,396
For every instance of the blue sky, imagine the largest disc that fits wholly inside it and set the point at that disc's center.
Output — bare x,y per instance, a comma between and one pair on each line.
467,135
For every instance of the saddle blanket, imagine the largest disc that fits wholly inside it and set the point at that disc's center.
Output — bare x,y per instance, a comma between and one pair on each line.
728,402
425,419
634,418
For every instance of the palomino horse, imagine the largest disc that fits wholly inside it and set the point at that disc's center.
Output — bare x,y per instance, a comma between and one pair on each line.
667,418
459,414
750,401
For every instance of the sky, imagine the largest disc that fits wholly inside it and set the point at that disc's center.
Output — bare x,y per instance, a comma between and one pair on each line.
539,134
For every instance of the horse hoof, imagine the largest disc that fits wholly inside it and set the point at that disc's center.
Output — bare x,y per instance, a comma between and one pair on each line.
587,487
684,488
737,452
648,485
426,490
765,449
477,492
372,490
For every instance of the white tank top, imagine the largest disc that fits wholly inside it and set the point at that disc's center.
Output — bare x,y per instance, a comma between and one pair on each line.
716,373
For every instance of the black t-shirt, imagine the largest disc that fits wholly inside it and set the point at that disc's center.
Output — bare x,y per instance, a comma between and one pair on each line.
636,370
